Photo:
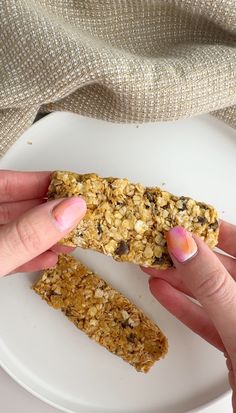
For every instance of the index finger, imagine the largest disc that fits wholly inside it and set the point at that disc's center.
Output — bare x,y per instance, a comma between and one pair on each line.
20,186
208,280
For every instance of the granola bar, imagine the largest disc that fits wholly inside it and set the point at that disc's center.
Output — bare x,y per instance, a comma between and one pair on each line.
128,221
102,313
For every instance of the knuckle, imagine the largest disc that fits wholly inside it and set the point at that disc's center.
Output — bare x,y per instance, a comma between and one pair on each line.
5,214
26,236
231,354
5,185
215,286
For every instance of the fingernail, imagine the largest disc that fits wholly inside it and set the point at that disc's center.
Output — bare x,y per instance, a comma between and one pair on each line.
181,244
68,212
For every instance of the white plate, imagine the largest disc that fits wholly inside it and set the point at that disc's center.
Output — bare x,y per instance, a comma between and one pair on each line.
47,354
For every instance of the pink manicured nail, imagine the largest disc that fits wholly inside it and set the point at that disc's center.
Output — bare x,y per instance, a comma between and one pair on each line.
181,244
69,212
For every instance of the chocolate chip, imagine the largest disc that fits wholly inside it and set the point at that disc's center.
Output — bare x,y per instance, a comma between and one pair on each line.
67,313
183,207
164,259
120,203
184,198
99,229
149,196
131,338
201,220
79,234
214,226
159,260
122,249
125,323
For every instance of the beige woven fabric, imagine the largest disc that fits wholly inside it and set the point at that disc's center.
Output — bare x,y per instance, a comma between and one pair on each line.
119,60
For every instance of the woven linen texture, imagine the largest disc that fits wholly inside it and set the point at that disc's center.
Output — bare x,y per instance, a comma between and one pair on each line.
118,60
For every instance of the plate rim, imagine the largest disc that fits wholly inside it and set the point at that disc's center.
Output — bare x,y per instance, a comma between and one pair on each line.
65,410
22,383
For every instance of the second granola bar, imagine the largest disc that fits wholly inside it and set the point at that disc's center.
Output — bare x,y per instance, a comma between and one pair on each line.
102,313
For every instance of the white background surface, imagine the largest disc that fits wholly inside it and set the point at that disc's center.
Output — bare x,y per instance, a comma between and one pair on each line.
195,146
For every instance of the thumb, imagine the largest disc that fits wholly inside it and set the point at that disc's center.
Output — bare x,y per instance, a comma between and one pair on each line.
209,281
37,230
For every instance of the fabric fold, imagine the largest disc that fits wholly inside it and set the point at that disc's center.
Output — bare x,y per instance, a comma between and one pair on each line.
126,61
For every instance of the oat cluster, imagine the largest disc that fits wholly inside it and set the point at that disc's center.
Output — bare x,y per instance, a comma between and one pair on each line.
128,221
102,313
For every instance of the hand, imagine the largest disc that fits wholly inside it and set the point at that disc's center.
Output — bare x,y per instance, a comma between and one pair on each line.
29,226
209,278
